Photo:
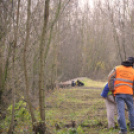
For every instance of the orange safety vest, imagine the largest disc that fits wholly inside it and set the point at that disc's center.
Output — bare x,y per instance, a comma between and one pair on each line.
124,80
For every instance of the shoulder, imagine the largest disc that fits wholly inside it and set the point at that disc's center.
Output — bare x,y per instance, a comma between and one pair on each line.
119,66
106,86
112,72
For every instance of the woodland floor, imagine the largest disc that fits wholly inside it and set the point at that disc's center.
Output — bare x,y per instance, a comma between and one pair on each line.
77,110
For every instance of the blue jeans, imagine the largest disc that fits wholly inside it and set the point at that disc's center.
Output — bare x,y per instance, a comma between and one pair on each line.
121,99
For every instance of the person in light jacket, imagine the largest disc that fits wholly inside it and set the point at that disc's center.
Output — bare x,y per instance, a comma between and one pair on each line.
110,105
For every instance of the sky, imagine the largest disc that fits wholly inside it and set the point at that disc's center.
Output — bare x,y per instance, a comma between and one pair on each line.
82,2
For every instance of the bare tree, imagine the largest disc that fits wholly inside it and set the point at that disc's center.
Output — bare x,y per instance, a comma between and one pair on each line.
41,65
15,29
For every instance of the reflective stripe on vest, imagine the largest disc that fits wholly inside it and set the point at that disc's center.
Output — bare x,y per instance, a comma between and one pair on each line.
123,84
124,80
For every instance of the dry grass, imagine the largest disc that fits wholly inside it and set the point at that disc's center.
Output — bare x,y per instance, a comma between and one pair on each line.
82,105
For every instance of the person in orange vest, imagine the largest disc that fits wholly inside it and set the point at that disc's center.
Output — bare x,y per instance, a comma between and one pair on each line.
123,78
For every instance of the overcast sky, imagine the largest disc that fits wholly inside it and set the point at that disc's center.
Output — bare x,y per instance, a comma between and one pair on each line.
82,2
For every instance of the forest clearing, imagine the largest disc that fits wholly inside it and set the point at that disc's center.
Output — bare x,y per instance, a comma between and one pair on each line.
46,43
77,110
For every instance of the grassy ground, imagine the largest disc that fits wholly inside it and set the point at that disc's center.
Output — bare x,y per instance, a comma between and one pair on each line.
81,105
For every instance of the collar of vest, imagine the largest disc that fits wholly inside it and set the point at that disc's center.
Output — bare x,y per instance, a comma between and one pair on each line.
127,64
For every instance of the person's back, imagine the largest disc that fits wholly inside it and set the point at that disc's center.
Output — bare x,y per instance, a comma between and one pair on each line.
124,80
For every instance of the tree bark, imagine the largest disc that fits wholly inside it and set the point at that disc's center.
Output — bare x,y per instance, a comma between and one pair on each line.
25,64
12,125
41,66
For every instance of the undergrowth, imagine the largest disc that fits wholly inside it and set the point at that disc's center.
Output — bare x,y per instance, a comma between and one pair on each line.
84,107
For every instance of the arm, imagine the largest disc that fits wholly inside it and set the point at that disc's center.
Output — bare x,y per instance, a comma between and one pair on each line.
105,91
111,78
133,89
111,99
105,95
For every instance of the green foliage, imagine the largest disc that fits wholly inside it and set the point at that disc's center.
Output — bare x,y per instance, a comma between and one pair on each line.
68,131
63,131
80,130
20,111
22,116
72,131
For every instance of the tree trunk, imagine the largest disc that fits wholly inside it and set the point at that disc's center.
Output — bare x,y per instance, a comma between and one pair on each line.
11,128
41,68
25,67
